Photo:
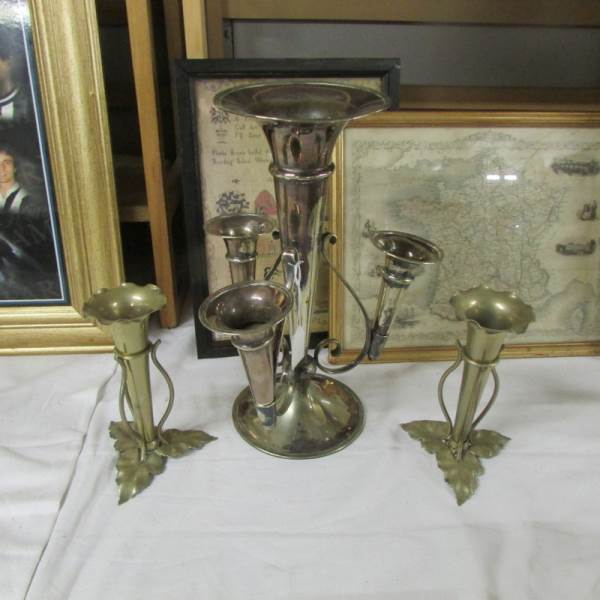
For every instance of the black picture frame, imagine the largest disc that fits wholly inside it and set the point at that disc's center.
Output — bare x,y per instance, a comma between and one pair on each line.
190,71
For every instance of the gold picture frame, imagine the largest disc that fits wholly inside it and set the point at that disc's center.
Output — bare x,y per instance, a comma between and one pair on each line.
67,52
346,206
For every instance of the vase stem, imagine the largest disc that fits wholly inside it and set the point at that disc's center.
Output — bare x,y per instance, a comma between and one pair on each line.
480,355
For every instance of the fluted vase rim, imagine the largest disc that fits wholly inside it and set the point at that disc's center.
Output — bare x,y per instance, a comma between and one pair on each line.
99,305
521,314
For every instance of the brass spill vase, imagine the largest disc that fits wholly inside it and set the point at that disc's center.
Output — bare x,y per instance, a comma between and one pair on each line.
240,233
143,447
490,315
315,415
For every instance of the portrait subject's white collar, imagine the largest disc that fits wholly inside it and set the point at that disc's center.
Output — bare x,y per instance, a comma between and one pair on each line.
12,189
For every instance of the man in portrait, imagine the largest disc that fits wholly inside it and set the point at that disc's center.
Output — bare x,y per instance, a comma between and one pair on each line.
15,105
27,257
13,196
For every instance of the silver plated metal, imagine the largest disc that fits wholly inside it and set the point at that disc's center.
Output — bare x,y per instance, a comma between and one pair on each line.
314,415
406,255
240,233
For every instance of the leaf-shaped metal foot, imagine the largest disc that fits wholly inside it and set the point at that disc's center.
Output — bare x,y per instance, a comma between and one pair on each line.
125,438
135,475
461,474
136,467
431,434
486,443
176,443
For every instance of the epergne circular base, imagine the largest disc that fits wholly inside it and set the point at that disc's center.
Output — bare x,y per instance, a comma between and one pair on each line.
316,416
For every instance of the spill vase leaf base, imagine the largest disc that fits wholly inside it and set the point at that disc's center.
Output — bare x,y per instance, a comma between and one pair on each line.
136,468
462,474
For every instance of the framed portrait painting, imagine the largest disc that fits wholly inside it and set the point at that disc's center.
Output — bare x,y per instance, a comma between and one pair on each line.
226,164
512,200
59,238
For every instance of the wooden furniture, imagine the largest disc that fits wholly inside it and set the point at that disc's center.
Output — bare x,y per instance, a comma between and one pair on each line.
161,198
148,177
206,22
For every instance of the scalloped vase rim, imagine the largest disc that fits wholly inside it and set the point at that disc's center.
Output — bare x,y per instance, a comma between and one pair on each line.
529,314
89,307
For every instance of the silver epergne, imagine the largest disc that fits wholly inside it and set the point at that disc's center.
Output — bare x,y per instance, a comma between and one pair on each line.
490,315
240,233
311,415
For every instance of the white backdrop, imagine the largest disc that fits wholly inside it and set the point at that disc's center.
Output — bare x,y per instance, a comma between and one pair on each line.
375,521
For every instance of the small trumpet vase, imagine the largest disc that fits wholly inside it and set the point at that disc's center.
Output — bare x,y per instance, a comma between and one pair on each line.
240,233
252,316
406,256
458,446
143,447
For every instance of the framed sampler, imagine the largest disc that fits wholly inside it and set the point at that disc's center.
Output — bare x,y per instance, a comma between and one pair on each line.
59,239
226,160
510,197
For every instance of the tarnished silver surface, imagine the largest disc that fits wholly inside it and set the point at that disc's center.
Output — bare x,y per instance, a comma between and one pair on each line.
301,122
314,415
252,315
240,233
405,257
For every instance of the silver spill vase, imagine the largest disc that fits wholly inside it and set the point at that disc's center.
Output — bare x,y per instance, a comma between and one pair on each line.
240,233
252,316
405,258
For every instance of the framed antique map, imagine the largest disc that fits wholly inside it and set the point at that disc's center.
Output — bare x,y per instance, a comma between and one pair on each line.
226,164
512,200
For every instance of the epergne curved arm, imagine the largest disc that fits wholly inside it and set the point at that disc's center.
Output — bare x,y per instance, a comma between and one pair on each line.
333,343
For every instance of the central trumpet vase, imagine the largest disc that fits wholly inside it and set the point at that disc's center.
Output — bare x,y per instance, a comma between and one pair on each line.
315,415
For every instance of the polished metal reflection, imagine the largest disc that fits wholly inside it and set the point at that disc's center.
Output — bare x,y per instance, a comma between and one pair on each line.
143,446
314,415
252,316
490,315
301,122
405,258
240,233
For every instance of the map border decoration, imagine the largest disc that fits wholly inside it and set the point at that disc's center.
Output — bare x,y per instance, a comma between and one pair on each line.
459,118
189,72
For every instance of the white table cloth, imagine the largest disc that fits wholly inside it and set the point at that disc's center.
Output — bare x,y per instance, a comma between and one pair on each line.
375,521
